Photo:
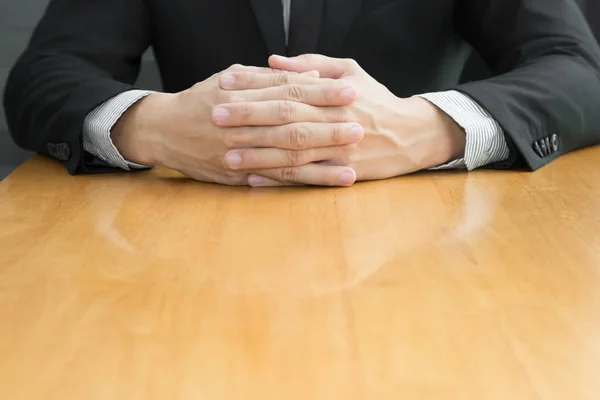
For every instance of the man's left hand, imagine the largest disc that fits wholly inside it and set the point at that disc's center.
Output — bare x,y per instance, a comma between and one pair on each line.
402,135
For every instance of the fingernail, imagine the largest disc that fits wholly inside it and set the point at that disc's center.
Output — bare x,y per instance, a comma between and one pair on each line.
227,81
233,160
357,133
221,114
255,180
348,93
347,178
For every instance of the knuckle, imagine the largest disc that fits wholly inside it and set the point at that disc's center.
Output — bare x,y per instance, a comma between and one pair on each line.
235,67
298,136
351,62
233,177
234,98
230,140
250,79
222,97
295,93
294,158
288,174
197,86
286,111
281,79
233,140
341,114
349,152
245,112
350,149
329,95
240,180
337,134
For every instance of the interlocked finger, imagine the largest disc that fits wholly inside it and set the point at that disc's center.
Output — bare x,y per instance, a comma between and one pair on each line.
295,136
310,174
269,158
269,113
259,79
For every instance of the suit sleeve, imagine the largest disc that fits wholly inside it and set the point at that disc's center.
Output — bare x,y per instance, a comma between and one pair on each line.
81,54
545,93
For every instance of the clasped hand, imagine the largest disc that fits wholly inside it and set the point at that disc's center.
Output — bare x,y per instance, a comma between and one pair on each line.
309,120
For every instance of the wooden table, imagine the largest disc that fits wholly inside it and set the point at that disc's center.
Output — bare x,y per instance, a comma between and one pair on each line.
449,285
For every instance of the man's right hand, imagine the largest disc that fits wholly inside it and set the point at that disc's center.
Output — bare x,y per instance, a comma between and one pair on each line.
181,131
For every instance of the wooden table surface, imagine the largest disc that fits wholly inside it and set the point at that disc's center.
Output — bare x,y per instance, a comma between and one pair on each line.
482,285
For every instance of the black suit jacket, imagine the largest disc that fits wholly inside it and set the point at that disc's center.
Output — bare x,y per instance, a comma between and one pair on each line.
592,10
546,61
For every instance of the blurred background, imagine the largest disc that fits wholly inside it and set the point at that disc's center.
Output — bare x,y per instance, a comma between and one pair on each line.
19,17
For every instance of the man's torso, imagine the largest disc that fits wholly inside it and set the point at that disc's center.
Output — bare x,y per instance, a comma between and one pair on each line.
408,45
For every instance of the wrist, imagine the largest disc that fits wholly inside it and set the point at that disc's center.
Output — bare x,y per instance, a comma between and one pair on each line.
446,139
137,134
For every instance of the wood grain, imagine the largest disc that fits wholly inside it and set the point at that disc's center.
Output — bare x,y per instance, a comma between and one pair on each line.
482,285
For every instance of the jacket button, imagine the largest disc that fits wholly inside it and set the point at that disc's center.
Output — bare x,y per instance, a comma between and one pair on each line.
60,151
554,141
545,150
537,149
548,146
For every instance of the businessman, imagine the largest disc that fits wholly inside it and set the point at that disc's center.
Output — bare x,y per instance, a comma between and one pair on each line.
318,92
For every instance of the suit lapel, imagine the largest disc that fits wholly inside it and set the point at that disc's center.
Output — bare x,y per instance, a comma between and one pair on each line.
339,17
269,15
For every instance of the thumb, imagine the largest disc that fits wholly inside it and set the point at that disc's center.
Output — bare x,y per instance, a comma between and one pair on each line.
333,68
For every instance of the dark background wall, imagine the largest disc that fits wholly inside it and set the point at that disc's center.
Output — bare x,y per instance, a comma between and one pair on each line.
17,17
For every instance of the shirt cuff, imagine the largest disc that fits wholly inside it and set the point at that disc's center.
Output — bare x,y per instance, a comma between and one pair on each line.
98,124
485,141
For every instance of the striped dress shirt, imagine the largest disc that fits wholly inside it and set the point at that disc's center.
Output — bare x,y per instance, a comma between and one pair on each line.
485,141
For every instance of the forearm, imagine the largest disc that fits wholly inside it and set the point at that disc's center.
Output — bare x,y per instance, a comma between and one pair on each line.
138,135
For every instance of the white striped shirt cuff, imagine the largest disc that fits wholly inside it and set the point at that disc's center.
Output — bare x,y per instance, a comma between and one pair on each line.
485,141
98,124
